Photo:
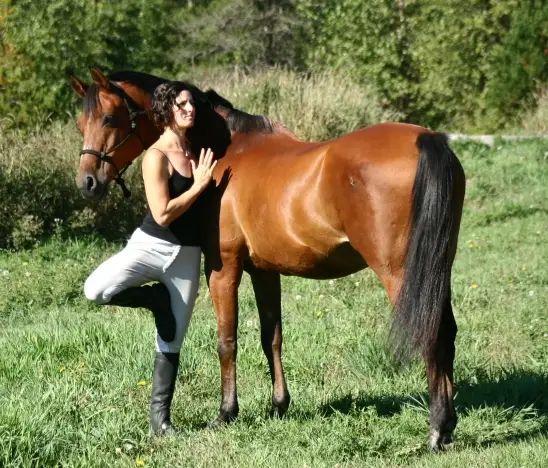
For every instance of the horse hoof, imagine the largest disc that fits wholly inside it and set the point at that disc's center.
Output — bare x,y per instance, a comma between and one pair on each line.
221,421
277,412
440,441
217,423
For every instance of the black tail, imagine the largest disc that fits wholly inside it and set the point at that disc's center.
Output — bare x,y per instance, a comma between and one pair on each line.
438,193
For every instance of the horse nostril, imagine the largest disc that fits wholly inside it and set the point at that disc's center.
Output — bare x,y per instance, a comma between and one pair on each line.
90,183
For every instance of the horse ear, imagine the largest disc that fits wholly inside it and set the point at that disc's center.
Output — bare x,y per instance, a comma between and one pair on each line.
99,77
78,85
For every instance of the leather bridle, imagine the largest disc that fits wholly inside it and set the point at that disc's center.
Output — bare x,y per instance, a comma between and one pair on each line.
106,156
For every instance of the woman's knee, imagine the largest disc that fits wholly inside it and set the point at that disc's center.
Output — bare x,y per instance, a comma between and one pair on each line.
181,323
93,292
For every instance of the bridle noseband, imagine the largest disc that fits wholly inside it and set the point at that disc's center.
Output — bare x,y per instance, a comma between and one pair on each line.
106,156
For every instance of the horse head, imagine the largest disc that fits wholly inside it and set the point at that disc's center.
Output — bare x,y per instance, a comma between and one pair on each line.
116,126
116,129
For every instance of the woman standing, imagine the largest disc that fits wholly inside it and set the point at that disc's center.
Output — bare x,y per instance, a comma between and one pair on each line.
165,247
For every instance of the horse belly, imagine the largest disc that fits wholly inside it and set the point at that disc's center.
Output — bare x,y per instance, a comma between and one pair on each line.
306,260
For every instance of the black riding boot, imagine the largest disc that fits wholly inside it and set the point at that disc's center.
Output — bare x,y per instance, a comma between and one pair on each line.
163,386
154,298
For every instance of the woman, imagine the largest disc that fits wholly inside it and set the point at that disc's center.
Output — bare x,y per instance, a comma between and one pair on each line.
165,247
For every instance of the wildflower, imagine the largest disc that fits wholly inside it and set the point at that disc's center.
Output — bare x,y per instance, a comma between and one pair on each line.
142,383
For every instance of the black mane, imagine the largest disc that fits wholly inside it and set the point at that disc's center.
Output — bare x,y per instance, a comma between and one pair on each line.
91,100
238,120
143,80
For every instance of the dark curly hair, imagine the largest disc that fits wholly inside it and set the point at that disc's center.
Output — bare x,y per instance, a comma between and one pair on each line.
163,101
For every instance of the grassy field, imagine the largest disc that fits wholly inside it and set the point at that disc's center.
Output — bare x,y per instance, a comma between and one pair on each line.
75,378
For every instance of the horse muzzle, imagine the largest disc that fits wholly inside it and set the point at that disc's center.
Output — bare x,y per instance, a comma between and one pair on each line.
91,187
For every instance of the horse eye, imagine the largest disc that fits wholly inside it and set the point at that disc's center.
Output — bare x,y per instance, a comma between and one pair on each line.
109,121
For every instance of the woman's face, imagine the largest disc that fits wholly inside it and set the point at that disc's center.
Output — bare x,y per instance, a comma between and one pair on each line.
184,110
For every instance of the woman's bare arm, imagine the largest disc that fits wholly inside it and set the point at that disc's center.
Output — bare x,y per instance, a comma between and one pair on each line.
156,175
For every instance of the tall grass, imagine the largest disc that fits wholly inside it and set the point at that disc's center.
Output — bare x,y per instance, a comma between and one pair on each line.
535,120
75,378
315,107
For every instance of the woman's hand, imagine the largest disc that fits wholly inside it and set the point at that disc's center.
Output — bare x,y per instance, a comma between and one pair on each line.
203,172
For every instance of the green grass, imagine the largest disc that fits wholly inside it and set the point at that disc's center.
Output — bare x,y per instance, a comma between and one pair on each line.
75,378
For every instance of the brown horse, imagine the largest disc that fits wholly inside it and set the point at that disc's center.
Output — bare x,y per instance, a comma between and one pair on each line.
388,197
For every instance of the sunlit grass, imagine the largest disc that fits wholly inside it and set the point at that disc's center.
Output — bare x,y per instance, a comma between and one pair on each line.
75,378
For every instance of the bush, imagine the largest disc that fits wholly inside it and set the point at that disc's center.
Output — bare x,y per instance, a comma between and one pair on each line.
39,195
471,64
460,64
365,40
250,33
517,65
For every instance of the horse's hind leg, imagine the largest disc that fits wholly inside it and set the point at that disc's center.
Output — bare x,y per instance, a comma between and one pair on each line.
439,365
268,296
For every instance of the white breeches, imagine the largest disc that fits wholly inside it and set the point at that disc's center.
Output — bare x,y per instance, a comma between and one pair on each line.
146,258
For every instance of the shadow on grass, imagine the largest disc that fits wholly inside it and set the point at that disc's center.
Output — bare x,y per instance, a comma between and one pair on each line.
511,390
515,389
518,389
385,406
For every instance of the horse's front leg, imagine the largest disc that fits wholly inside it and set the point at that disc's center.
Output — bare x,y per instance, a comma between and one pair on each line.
223,287
268,296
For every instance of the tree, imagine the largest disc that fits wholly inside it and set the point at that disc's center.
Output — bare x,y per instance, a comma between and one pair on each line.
247,33
42,41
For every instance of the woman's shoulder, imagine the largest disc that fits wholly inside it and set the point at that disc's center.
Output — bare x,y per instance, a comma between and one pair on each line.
155,159
156,155
156,151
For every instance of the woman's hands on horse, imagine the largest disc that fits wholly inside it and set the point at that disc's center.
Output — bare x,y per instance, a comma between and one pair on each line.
203,171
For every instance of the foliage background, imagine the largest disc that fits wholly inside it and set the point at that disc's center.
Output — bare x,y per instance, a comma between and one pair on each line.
452,64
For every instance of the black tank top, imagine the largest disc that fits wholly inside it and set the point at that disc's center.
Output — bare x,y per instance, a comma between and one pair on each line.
185,229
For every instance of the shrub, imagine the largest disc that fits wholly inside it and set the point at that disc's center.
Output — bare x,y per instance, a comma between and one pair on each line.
517,64
468,64
39,195
250,33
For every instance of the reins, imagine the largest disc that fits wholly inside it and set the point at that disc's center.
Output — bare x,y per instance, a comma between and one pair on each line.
106,156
